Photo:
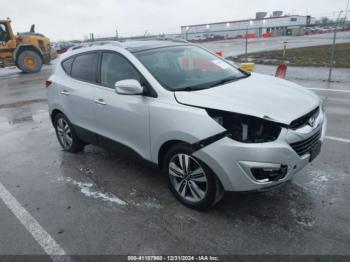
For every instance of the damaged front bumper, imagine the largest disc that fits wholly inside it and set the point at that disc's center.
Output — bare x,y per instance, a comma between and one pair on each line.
259,166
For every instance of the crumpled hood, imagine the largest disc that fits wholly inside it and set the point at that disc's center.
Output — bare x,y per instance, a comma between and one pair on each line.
258,95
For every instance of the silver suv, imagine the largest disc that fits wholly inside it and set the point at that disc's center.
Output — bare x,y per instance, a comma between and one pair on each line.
210,126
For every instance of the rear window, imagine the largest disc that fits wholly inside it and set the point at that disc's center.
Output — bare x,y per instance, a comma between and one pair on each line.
67,65
84,67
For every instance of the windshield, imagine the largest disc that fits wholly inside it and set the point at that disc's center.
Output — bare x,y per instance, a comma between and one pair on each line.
188,68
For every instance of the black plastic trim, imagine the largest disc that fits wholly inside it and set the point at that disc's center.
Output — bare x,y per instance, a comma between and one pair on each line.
93,138
209,140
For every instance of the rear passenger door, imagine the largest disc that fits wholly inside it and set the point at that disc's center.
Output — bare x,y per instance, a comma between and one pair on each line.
77,93
122,118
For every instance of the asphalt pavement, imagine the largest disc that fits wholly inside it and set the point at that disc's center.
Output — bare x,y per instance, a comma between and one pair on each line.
100,202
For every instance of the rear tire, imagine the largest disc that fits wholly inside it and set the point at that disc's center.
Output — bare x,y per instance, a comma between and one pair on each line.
190,180
29,61
66,135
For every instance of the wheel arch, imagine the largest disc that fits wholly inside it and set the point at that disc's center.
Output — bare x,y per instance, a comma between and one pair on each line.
54,113
165,147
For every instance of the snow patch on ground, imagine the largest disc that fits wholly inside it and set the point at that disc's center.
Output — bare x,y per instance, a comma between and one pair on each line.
89,190
152,204
149,204
319,179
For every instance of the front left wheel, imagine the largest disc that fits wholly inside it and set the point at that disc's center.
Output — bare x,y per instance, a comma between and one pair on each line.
66,135
191,181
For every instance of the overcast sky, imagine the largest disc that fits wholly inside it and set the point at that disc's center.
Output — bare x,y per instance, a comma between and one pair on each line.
74,19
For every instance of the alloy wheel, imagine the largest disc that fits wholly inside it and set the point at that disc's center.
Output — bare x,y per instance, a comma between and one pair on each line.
188,177
64,133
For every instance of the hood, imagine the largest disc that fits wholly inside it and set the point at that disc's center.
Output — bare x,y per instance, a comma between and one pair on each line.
258,95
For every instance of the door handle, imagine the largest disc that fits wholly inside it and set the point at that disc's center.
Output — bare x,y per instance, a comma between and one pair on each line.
100,101
65,92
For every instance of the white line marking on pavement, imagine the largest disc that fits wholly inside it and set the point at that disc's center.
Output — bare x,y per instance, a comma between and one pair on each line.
50,246
339,139
326,89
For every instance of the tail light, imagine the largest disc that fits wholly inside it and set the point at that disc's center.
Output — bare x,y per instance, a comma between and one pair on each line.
48,83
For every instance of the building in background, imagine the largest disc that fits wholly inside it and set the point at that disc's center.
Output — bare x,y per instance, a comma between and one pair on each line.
275,25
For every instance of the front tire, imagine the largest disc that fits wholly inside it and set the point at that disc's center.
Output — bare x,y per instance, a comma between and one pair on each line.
29,61
189,179
66,135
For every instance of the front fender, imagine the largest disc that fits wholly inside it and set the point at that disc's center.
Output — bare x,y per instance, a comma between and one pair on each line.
173,121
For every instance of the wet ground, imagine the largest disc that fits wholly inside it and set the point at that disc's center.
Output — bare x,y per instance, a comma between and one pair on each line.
99,202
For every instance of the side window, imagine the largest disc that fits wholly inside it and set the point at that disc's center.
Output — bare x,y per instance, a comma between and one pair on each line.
115,68
4,34
84,67
67,65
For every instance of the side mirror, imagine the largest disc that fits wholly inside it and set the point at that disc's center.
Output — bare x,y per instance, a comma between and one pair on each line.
128,87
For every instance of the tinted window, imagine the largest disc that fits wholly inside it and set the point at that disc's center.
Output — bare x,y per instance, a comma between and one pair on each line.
67,65
115,68
84,67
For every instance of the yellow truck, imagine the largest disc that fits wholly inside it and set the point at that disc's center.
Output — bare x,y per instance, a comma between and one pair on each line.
28,51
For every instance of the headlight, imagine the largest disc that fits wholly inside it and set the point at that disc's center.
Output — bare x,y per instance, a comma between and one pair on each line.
246,129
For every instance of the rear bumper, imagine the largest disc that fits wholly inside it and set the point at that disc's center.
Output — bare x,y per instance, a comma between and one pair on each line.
233,161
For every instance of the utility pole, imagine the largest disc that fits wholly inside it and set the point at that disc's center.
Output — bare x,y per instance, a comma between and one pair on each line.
332,62
346,13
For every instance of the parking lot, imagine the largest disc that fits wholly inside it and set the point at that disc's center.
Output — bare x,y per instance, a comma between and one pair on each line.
237,46
100,202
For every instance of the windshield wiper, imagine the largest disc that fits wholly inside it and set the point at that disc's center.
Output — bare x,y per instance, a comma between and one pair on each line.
227,80
217,83
188,88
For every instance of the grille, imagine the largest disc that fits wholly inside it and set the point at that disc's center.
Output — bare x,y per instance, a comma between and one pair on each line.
302,121
304,146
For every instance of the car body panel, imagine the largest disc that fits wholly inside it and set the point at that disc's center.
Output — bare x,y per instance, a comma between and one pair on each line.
123,118
74,97
173,121
257,95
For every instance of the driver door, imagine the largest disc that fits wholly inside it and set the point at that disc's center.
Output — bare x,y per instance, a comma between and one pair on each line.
121,118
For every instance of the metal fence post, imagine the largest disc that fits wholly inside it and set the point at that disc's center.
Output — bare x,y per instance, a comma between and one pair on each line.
332,56
246,46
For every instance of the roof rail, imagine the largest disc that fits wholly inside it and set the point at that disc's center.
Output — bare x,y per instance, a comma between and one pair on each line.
172,39
96,43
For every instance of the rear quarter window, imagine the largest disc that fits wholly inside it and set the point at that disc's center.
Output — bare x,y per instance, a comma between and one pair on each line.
84,67
67,65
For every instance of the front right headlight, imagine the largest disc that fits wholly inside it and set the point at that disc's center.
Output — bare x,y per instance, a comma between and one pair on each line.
244,128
